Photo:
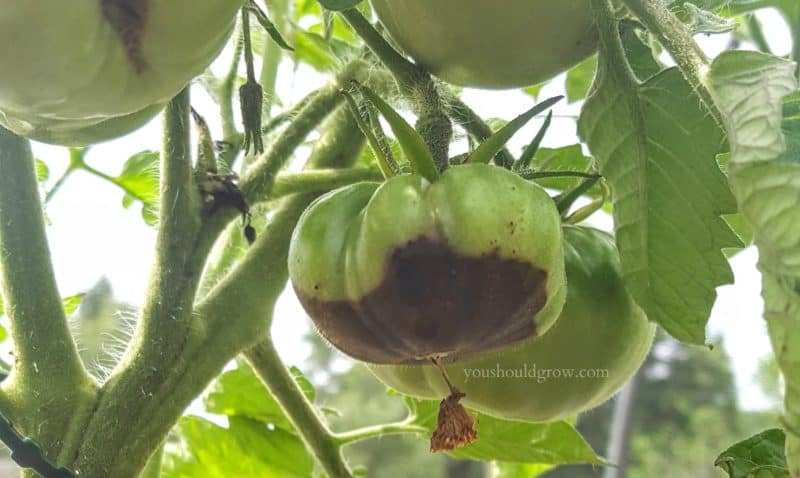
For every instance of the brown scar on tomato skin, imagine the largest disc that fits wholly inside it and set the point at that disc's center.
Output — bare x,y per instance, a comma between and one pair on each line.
434,302
128,19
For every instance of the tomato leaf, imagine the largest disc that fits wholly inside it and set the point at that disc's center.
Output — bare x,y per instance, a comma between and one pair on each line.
240,393
260,441
760,455
72,302
140,181
640,55
656,146
42,171
247,448
764,171
556,443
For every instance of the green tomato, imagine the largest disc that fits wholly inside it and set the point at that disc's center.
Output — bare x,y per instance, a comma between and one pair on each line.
491,44
406,270
601,338
70,66
84,133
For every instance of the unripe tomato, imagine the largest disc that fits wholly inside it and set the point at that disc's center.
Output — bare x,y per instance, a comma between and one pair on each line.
71,65
406,270
491,44
601,334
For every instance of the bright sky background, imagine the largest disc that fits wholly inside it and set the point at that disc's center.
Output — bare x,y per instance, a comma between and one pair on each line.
91,235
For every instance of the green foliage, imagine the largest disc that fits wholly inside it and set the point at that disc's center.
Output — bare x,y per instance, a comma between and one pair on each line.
760,456
553,443
245,448
259,441
140,181
765,175
656,146
686,406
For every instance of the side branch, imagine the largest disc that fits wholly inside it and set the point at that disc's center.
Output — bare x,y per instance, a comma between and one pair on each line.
152,360
316,435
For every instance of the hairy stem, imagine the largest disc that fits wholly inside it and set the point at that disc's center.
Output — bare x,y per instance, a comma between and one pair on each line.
339,147
474,125
48,384
226,88
315,434
321,180
677,39
131,394
416,84
272,53
261,175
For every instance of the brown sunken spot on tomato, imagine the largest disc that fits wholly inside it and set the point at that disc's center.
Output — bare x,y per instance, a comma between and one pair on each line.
435,302
128,19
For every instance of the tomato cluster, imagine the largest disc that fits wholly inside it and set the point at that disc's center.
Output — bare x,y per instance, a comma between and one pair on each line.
468,286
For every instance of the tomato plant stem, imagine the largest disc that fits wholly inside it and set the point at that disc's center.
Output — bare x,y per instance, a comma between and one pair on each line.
406,73
260,178
272,53
224,90
309,425
46,358
433,124
474,125
375,138
321,180
677,39
165,320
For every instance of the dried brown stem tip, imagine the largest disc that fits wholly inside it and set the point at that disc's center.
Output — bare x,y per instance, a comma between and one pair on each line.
455,427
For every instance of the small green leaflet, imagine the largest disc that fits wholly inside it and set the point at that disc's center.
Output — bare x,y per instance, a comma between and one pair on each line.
565,158
140,181
764,171
42,171
759,456
71,303
656,147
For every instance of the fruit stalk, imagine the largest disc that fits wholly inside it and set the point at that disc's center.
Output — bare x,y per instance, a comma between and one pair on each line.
433,124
